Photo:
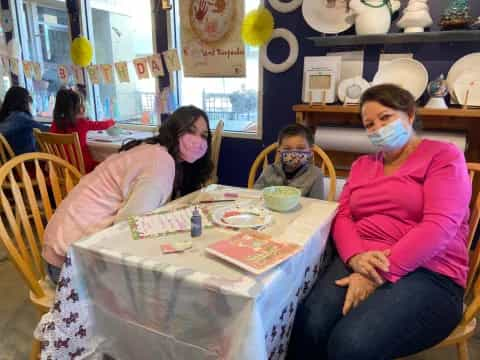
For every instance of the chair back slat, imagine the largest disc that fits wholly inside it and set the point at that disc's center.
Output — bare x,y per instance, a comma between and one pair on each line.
55,184
27,207
321,160
472,292
65,146
6,152
215,151
14,227
33,205
21,205
42,185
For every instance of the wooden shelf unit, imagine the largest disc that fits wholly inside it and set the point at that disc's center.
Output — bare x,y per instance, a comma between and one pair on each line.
451,120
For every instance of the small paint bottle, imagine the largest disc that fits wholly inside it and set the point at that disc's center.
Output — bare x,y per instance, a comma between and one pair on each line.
196,223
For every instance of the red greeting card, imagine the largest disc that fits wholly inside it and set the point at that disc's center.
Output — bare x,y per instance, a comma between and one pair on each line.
253,251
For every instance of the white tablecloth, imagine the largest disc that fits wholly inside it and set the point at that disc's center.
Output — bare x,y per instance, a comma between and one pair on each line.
102,145
142,304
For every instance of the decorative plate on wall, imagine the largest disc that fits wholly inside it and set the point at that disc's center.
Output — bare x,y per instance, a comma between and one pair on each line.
350,90
327,17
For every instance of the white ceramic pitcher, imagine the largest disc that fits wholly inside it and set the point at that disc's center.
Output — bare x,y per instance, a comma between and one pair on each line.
373,16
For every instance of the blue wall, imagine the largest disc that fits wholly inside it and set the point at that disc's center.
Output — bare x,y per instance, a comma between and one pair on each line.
282,91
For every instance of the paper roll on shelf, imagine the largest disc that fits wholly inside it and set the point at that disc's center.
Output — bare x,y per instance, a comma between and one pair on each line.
355,140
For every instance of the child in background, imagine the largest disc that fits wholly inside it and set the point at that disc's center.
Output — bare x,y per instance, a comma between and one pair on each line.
296,167
69,116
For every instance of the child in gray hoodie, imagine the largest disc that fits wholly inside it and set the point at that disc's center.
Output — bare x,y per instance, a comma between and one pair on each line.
295,167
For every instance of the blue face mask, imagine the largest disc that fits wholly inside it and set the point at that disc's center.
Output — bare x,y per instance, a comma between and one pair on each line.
391,137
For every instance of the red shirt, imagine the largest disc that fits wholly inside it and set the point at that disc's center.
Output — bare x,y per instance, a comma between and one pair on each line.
82,126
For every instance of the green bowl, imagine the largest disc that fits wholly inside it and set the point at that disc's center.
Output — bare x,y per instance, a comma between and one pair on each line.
281,198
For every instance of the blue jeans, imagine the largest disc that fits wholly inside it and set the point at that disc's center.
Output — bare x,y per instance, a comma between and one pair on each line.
396,320
53,273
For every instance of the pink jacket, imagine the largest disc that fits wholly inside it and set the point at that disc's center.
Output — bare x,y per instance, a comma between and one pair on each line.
420,212
128,183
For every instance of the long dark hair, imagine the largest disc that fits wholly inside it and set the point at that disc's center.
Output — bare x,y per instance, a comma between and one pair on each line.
67,106
17,98
188,177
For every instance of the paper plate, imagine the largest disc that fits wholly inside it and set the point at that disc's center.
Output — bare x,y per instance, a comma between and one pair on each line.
468,62
242,217
352,88
409,74
329,20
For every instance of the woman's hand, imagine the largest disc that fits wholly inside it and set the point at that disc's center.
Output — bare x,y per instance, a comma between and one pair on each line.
367,262
359,288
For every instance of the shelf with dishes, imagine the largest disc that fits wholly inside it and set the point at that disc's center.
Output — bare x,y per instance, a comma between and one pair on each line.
458,120
469,114
397,38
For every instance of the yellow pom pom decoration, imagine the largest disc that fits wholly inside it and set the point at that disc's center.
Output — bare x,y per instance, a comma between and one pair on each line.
81,51
257,27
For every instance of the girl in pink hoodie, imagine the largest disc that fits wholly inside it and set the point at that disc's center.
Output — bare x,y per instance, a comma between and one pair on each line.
143,176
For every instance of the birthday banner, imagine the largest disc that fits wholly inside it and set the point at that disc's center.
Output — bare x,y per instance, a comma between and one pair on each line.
145,67
211,38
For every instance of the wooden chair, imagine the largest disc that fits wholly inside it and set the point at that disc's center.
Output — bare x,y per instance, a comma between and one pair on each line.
466,329
321,159
35,204
216,145
65,146
6,152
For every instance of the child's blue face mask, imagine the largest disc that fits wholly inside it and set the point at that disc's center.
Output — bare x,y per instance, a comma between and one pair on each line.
391,137
292,160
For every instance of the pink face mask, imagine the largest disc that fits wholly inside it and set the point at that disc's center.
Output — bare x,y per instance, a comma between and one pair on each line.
192,147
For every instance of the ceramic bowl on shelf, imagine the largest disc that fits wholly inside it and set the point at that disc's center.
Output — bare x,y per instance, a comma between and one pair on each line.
409,74
281,198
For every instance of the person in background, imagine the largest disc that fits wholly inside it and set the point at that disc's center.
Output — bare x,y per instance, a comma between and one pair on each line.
16,120
401,233
295,167
143,176
69,117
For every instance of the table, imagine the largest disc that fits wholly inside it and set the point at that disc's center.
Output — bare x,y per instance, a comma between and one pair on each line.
125,298
102,145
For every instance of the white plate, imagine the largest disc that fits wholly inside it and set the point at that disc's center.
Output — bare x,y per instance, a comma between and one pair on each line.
352,88
409,74
468,62
328,20
468,80
242,217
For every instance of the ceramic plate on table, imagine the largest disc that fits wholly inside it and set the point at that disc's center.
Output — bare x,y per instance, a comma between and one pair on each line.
468,82
352,89
470,62
409,74
327,19
242,217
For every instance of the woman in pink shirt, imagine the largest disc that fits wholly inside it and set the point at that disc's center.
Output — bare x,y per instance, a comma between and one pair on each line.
143,176
401,231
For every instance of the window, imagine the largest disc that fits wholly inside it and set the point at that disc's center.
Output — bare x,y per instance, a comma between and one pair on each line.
118,32
122,32
233,100
45,39
4,77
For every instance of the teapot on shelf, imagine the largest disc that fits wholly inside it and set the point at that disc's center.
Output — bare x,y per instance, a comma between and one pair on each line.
373,16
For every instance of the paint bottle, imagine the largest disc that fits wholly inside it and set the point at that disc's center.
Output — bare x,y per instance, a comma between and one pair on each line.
196,223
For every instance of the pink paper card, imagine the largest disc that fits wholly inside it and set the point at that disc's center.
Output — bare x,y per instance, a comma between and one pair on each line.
253,251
